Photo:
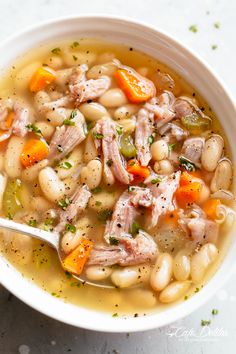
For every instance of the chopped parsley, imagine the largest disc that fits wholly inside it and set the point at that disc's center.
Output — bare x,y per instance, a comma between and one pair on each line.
214,46
33,128
205,322
68,274
115,314
71,228
63,203
214,312
96,190
98,203
109,162
32,222
55,294
9,216
217,25
69,121
189,166
151,139
155,180
196,290
74,45
135,228
186,297
113,241
66,165
193,28
75,283
48,222
104,215
171,147
56,50
97,135
119,130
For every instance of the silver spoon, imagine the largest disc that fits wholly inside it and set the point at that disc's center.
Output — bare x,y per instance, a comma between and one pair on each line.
52,238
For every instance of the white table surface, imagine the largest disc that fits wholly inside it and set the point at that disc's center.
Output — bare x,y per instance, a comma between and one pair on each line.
23,330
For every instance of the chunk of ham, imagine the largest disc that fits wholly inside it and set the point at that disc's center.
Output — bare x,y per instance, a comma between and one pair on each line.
78,203
162,107
144,129
163,195
192,149
130,251
82,90
126,211
66,138
171,131
184,106
114,164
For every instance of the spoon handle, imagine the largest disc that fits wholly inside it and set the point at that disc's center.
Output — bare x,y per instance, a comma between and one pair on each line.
50,237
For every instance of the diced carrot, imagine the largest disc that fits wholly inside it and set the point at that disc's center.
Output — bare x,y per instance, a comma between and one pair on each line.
9,119
188,194
41,78
189,177
34,150
76,260
171,217
210,208
139,172
138,89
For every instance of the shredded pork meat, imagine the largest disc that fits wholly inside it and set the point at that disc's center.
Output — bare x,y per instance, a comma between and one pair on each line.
143,132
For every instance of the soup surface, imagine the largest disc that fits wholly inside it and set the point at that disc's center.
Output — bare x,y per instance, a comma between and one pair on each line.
118,154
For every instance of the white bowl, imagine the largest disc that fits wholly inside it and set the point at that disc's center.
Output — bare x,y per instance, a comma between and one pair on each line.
160,45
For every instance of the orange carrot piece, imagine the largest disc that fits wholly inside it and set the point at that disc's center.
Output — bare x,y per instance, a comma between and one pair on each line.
41,78
139,172
188,194
138,89
34,150
76,260
210,208
189,177
9,119
171,217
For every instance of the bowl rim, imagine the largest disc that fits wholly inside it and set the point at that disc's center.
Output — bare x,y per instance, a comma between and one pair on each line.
130,324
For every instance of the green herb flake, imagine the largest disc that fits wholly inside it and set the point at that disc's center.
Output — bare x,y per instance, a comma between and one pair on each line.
217,25
155,180
98,203
214,46
55,294
32,222
171,147
56,50
185,297
214,312
71,228
119,130
97,135
65,165
151,139
135,228
68,274
205,322
90,125
104,215
74,45
109,162
193,28
189,166
68,122
73,114
130,188
113,241
96,190
9,216
33,128
197,290
64,203
75,283
115,314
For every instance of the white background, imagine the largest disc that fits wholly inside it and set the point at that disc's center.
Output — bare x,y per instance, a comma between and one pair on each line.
20,325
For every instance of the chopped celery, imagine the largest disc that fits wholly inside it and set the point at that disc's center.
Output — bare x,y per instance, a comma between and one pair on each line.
12,197
194,122
127,147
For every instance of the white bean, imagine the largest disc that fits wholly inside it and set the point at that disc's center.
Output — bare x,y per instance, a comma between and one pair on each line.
142,297
163,167
92,174
212,152
90,151
162,272
201,261
70,241
23,77
22,246
55,62
223,176
101,201
114,97
51,186
40,204
93,111
40,98
62,78
174,291
46,129
181,268
31,173
159,150
12,161
125,111
128,125
128,276
57,116
71,184
74,161
3,183
97,273
96,71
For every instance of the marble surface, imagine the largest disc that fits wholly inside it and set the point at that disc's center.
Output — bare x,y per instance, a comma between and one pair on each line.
23,330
